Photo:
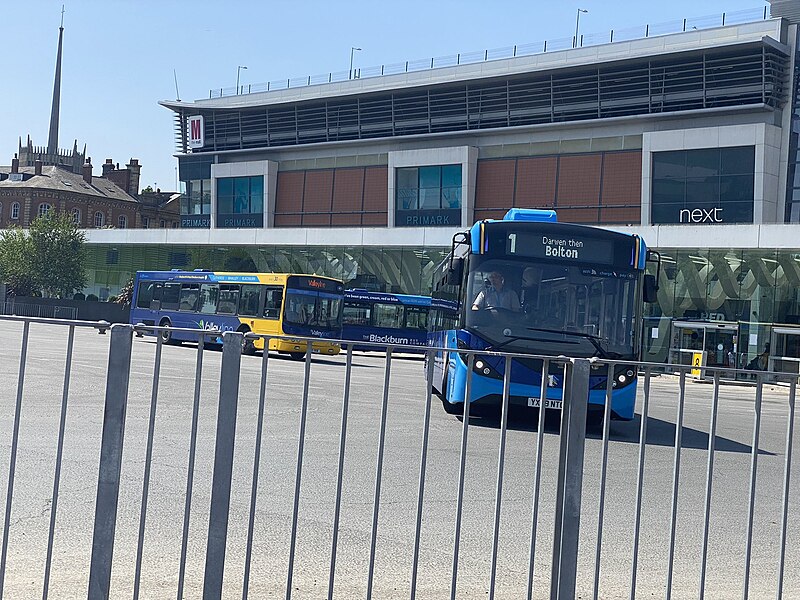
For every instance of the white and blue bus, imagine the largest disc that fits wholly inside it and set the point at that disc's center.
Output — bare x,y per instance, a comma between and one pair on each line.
529,285
385,319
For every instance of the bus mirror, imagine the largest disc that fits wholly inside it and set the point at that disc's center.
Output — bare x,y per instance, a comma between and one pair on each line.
455,272
650,288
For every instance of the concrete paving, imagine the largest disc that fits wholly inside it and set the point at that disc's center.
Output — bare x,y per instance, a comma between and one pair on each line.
31,506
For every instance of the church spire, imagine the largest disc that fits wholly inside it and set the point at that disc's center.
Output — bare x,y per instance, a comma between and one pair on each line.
52,140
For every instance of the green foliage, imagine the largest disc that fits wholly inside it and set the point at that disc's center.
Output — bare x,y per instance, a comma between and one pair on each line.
92,298
49,257
15,250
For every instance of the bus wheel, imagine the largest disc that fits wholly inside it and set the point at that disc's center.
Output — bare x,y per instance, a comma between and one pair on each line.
248,346
166,336
452,409
297,355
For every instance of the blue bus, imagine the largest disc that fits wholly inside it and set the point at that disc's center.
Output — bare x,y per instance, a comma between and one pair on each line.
528,285
385,318
275,304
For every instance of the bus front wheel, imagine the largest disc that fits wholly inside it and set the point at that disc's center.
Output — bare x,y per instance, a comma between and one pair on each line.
297,355
166,335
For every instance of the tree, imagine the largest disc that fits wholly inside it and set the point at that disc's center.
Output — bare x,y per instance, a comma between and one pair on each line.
125,294
58,255
15,251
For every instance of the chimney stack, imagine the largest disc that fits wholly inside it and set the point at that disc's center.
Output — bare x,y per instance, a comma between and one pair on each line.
37,167
15,164
87,171
108,166
135,170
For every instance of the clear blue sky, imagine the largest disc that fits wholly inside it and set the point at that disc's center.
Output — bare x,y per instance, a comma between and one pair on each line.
119,55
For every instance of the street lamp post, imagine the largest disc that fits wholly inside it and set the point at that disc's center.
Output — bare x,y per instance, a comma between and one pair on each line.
577,24
238,70
352,50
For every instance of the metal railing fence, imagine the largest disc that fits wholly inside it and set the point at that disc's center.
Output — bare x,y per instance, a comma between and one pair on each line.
38,310
465,58
577,493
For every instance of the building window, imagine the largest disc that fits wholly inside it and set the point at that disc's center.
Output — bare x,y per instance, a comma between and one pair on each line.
162,223
428,196
98,219
145,222
15,210
713,185
240,201
196,204
122,222
44,209
76,216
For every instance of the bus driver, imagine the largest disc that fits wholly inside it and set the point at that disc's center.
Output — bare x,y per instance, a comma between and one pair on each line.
496,295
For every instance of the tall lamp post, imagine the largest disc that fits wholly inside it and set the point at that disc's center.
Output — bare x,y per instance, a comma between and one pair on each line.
238,70
352,50
577,24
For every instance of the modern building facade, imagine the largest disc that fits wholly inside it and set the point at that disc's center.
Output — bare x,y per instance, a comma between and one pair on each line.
689,139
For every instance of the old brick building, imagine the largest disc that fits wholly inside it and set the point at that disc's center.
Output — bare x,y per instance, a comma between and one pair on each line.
111,200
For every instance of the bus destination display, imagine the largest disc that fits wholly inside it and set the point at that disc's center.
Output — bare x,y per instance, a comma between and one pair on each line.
560,247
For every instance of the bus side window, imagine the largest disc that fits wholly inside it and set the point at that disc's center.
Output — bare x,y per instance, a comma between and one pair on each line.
250,300
209,292
417,318
190,294
355,314
170,296
388,315
145,295
272,306
228,299
155,300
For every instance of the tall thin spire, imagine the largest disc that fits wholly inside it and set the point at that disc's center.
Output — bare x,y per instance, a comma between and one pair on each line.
52,140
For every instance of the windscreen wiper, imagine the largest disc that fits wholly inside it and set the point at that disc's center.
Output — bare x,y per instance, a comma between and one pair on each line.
515,338
593,339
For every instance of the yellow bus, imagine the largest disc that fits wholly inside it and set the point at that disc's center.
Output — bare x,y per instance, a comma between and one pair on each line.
279,304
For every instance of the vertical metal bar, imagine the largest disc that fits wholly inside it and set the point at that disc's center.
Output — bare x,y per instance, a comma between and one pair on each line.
105,513
570,480
223,464
378,473
148,460
299,471
500,464
462,469
603,469
187,508
786,477
675,478
340,469
422,466
712,435
59,454
537,472
751,505
13,460
256,465
640,480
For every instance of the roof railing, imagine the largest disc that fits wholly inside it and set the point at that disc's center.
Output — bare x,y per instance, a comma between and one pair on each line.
592,39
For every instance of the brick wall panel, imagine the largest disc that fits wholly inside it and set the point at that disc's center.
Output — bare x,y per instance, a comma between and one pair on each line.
495,184
536,182
376,191
579,187
622,188
348,190
289,197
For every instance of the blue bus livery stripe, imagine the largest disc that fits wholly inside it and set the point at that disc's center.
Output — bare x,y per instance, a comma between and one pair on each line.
382,298
234,278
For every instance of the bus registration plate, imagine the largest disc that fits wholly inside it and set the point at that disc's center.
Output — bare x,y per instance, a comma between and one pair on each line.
548,403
